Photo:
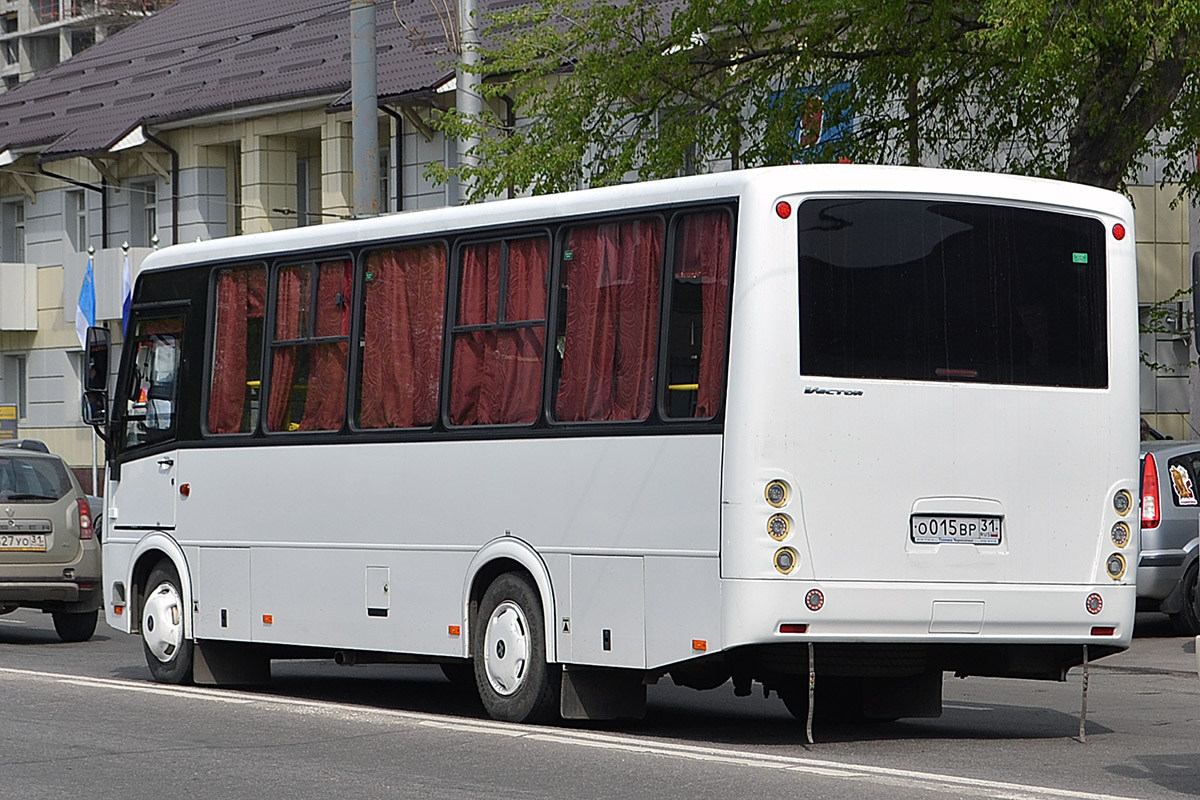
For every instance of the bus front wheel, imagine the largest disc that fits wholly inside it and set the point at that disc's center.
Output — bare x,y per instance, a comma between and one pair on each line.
515,683
168,651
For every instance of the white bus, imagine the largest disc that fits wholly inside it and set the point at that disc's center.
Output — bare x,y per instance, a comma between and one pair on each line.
863,424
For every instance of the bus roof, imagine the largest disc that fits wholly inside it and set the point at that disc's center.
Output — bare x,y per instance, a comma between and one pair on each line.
769,182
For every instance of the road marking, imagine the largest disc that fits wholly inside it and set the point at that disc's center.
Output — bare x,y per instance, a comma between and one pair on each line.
961,786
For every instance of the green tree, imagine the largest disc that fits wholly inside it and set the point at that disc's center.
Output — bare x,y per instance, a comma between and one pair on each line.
1075,89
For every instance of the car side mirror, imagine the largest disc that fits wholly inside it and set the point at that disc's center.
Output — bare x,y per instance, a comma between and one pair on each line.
95,408
96,378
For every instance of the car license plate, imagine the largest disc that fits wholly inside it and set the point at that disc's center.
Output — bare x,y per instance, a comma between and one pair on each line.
32,542
937,528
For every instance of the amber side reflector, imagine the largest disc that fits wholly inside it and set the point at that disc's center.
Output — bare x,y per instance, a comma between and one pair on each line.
268,619
455,630
699,644
1102,631
118,610
793,627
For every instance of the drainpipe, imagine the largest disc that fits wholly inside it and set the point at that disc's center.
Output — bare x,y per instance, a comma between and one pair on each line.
174,182
400,158
102,189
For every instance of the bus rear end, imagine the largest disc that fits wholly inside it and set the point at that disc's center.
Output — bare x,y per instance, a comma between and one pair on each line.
931,449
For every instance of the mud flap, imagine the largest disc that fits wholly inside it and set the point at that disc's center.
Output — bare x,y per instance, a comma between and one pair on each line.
591,693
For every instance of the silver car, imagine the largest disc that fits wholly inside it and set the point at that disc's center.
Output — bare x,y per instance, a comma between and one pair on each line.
49,555
1166,575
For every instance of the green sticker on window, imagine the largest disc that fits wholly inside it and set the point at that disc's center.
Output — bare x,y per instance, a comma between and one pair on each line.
370,276
1079,258
568,255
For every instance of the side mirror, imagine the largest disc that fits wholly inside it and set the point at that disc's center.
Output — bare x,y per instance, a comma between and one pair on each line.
95,408
96,379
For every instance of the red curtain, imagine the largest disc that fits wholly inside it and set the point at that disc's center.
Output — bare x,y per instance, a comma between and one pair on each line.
325,395
325,400
702,253
402,337
497,373
612,284
241,295
288,309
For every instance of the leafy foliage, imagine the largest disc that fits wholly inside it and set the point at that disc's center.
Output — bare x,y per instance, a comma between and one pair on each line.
1058,88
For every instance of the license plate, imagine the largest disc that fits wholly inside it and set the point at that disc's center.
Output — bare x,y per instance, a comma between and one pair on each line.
32,542
937,528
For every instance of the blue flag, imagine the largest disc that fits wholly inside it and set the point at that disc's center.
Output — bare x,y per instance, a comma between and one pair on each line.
126,295
85,313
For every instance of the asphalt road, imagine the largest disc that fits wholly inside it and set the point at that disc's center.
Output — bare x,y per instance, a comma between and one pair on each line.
85,721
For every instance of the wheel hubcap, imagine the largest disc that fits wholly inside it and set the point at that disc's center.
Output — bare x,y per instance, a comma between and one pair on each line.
506,648
162,622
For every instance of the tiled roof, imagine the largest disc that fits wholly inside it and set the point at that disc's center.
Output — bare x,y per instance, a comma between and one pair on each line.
198,57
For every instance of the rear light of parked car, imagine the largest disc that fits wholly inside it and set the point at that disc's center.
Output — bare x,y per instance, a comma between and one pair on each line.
85,519
1150,515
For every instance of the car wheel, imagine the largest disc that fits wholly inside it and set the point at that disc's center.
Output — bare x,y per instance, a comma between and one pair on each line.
1186,623
168,652
75,627
514,681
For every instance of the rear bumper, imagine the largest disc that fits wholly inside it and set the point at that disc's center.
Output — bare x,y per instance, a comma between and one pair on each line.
51,594
927,613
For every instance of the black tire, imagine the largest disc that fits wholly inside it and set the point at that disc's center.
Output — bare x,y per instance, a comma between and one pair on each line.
168,651
514,681
75,626
1186,622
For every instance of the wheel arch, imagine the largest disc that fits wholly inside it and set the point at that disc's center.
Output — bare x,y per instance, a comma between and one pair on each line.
501,555
149,551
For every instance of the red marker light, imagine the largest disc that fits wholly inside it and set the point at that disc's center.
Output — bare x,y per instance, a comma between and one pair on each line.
784,209
1118,231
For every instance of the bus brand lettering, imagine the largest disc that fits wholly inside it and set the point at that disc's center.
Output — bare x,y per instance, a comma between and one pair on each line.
843,392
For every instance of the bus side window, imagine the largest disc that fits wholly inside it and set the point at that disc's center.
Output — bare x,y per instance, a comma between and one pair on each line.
311,343
608,321
150,399
500,332
404,293
698,317
236,372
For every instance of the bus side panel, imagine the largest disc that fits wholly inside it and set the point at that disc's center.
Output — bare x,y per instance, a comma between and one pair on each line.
328,525
356,599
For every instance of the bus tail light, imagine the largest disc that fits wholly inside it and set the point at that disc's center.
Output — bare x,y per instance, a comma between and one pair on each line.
1150,515
1115,566
793,627
1102,630
85,519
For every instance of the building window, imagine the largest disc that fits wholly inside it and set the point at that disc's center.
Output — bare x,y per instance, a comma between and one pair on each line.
303,187
385,174
75,219
13,245
15,384
143,213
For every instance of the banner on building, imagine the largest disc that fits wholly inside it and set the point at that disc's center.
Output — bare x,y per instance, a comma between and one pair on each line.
8,421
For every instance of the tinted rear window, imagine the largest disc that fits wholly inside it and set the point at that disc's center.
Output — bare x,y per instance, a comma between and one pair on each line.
940,291
24,479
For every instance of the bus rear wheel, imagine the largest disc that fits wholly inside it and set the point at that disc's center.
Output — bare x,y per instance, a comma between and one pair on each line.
168,652
514,681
